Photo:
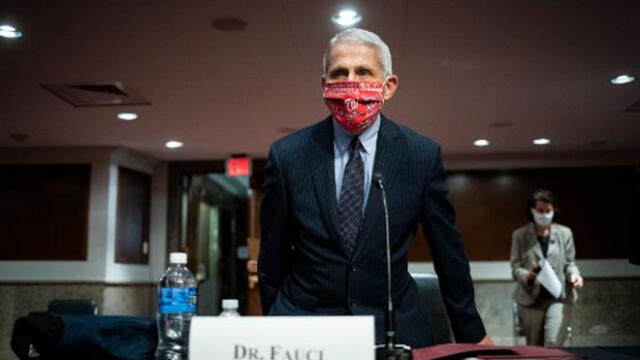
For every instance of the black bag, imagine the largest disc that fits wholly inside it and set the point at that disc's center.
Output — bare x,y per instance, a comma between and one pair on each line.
36,335
48,336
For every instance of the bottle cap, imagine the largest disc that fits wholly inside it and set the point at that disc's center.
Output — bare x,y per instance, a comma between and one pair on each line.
230,303
178,258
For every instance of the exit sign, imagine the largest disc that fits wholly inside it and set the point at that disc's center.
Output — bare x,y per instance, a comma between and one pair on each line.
238,166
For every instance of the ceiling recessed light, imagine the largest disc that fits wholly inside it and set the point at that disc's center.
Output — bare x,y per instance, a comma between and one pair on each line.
127,116
623,79
347,17
9,32
172,144
481,142
541,141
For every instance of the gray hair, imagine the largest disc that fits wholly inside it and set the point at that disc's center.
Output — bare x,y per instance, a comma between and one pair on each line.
363,37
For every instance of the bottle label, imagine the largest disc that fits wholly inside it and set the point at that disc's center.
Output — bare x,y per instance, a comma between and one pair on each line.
177,300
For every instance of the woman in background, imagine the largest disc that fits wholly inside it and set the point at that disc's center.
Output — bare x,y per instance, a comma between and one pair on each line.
545,317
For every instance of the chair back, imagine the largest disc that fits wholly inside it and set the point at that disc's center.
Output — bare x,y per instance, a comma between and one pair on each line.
73,307
518,323
432,305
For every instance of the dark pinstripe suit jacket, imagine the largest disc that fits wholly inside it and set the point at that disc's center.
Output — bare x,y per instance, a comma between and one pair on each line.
304,267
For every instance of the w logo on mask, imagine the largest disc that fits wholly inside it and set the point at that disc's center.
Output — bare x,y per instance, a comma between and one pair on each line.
351,104
343,100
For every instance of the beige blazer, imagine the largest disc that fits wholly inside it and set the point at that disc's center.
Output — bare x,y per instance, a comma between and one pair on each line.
526,252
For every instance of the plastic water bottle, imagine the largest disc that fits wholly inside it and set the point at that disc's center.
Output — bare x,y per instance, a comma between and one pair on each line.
229,308
177,300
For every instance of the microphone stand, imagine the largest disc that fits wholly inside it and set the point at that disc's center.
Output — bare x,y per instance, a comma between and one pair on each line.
390,350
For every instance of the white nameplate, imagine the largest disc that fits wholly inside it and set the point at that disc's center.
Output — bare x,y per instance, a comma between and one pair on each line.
282,338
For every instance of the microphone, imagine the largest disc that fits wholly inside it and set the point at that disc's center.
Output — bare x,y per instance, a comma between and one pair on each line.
390,350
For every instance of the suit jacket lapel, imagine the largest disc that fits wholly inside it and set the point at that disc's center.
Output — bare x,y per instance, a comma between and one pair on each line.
387,158
322,166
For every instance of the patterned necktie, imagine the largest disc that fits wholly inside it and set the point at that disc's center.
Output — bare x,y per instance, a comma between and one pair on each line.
352,197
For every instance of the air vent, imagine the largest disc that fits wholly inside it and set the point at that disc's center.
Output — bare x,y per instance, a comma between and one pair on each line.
97,94
635,107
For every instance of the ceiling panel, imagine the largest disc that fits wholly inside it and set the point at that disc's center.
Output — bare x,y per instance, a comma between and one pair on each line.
541,67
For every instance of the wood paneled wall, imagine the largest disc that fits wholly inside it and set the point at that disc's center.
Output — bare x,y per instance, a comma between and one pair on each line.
44,211
132,217
595,202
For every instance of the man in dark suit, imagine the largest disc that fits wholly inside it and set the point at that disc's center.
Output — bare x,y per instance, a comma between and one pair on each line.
323,236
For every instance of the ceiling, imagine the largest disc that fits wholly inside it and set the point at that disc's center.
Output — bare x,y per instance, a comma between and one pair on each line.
508,71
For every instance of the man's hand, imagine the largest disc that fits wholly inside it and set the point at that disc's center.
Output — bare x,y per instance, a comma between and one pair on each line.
576,281
486,341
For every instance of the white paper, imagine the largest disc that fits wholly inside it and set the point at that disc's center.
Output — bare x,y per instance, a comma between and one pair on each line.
548,278
282,338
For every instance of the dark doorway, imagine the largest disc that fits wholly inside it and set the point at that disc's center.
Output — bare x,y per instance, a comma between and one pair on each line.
209,219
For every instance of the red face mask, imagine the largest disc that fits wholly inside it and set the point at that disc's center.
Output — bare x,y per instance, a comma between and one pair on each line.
354,104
